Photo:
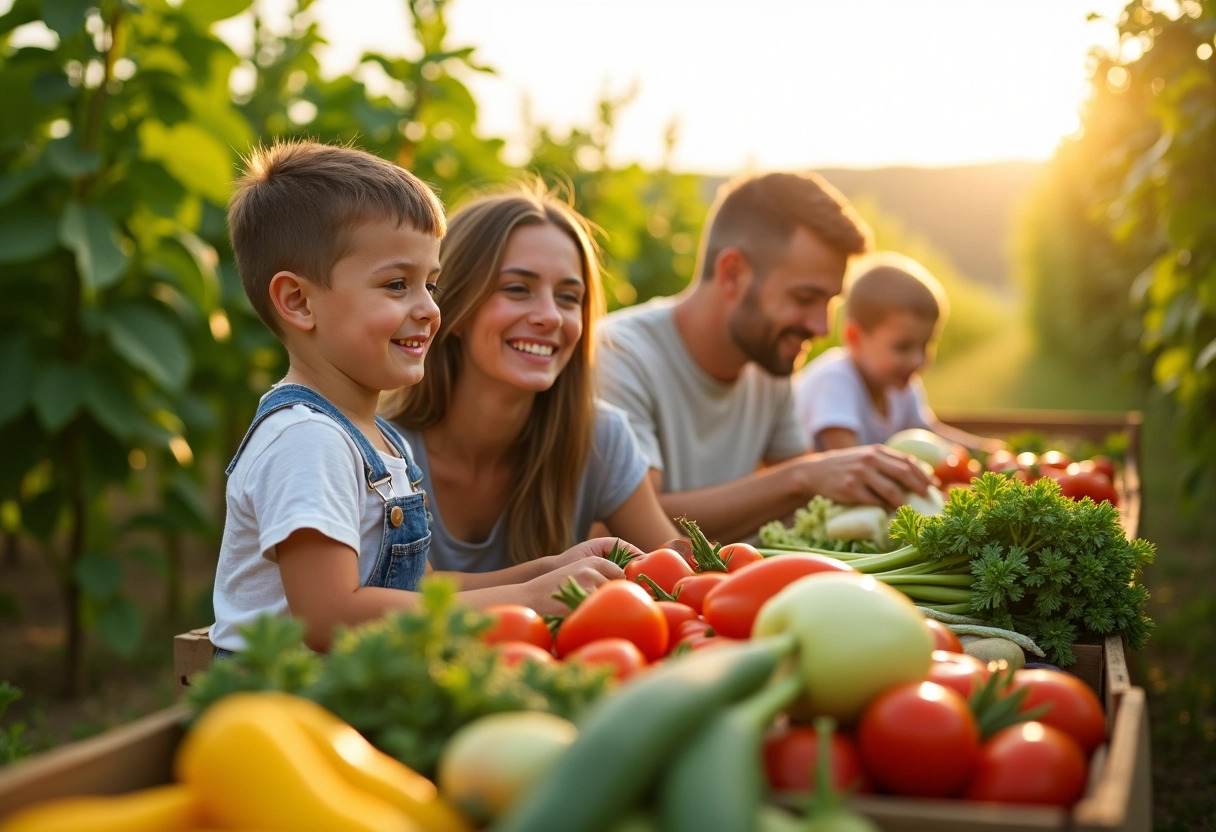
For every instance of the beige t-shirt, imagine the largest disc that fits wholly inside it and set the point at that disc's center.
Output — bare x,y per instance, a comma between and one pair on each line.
697,430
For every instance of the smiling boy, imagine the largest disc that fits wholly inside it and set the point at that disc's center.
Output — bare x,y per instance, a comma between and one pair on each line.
870,389
338,251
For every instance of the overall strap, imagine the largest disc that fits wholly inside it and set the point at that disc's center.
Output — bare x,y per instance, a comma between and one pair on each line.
289,395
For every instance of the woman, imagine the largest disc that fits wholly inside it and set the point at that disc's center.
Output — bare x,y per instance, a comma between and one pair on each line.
519,456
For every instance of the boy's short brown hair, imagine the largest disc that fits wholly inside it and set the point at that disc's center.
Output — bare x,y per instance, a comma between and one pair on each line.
759,214
888,282
297,201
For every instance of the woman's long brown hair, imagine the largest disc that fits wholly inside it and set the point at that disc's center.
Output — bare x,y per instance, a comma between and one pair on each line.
552,451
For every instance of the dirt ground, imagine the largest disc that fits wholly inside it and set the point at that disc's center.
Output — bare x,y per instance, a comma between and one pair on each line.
32,638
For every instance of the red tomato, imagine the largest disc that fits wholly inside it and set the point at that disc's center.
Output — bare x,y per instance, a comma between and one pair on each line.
943,637
692,590
1075,708
707,640
1001,460
515,622
1103,465
919,739
617,608
1027,459
696,627
513,652
957,468
677,616
1029,763
684,546
731,607
1056,459
622,655
663,566
738,555
1077,484
958,671
790,755
1052,472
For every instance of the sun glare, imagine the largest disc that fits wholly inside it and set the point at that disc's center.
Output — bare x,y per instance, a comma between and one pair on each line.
787,84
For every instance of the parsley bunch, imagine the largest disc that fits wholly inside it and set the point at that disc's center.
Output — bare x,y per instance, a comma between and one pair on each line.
1023,558
406,682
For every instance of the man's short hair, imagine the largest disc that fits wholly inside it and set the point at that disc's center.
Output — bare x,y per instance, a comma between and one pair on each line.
887,282
759,214
297,202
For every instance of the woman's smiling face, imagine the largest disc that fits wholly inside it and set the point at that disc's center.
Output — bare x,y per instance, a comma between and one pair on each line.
526,332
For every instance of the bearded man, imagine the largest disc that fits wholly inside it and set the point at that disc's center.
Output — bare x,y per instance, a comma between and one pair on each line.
704,376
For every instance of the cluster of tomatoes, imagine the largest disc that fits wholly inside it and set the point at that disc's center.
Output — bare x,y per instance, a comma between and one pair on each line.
670,600
928,739
1093,477
922,739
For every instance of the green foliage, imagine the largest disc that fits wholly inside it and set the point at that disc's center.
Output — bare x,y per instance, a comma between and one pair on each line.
407,682
113,144
1042,565
1119,244
12,746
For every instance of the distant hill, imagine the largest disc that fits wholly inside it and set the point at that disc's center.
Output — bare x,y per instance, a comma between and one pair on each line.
965,212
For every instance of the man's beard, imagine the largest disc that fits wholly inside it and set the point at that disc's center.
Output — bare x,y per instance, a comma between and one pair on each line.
752,333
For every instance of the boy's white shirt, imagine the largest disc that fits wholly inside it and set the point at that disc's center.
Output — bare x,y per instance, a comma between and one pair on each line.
830,392
300,468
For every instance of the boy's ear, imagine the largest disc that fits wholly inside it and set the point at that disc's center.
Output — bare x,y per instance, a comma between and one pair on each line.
851,333
289,293
732,271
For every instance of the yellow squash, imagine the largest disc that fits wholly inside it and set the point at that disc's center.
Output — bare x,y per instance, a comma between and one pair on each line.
370,769
253,765
159,809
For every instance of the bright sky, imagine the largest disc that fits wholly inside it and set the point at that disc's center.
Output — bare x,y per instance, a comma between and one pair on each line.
771,83
763,84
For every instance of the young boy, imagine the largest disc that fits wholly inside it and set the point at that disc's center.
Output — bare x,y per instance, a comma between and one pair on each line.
338,252
869,389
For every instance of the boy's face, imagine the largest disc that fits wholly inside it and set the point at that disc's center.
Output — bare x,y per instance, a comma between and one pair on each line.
892,351
378,317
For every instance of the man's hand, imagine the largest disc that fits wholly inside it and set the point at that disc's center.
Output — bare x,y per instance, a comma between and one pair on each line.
865,475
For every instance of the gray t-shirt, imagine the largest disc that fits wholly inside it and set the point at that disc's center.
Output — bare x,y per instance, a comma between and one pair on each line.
615,468
830,393
697,430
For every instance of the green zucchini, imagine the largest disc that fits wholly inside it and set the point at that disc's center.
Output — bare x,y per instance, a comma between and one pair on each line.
717,780
628,737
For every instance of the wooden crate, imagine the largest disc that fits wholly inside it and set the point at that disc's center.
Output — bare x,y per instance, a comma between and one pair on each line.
192,653
1091,426
1117,799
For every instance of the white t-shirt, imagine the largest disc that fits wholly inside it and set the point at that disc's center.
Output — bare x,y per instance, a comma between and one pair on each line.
829,392
614,470
697,430
299,470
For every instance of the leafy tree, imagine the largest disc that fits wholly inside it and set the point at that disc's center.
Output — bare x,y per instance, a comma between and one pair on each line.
1166,209
1120,242
116,138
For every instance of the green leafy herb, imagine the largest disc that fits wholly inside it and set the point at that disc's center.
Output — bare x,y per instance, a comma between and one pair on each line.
406,682
1022,558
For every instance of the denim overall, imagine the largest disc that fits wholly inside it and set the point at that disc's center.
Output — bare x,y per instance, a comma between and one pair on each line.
401,562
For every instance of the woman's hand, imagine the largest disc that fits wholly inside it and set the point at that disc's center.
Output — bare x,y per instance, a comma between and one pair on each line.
587,563
597,547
